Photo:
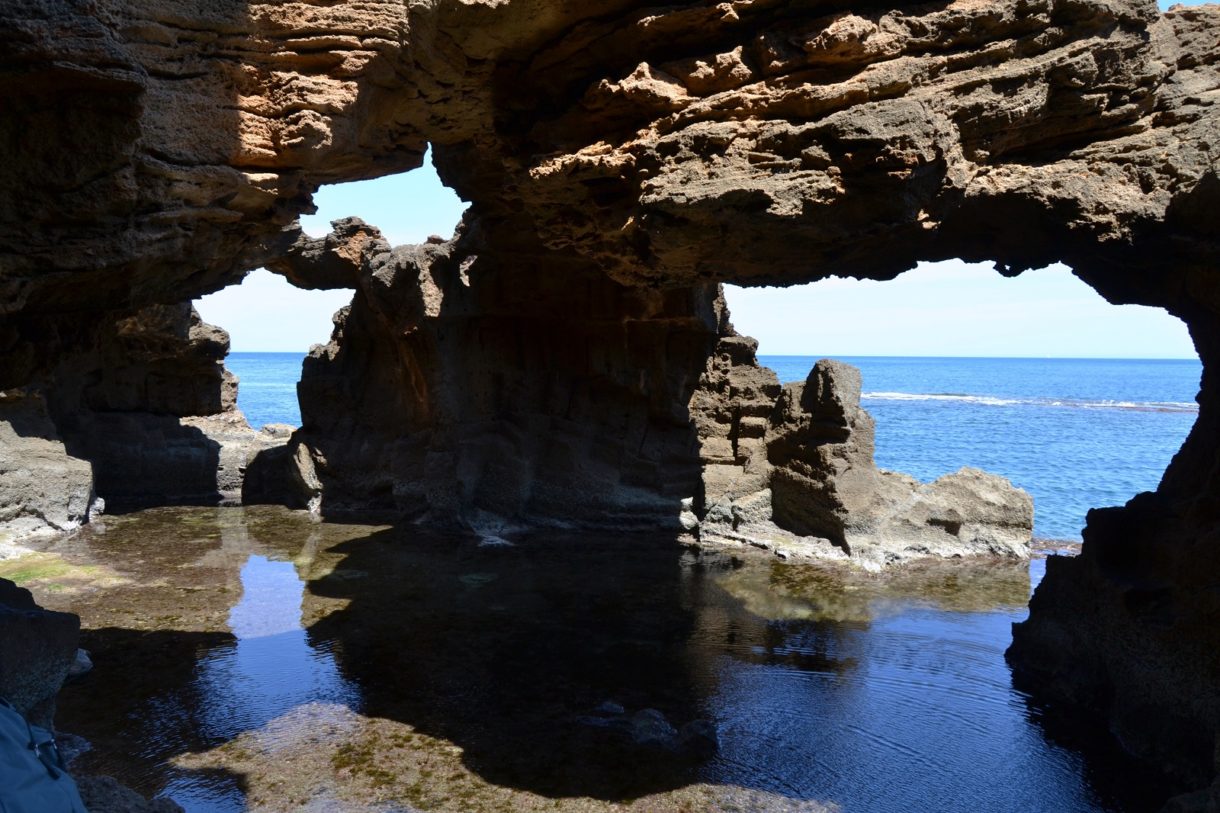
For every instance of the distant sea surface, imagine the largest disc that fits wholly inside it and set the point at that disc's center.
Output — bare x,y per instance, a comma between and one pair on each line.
267,391
1075,433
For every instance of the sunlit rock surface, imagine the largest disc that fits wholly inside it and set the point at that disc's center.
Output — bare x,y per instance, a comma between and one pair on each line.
796,475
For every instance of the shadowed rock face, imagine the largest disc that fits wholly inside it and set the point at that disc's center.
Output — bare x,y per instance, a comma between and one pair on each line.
467,389
622,159
444,394
36,649
131,412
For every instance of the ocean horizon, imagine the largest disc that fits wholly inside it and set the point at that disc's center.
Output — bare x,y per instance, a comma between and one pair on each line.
1076,433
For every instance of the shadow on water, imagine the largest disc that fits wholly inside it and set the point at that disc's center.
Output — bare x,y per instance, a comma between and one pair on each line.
510,652
252,659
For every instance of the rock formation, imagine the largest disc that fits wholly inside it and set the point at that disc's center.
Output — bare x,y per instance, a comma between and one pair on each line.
424,405
621,160
43,489
784,473
469,389
37,647
136,412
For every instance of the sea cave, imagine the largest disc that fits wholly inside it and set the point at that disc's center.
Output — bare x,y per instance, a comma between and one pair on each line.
548,534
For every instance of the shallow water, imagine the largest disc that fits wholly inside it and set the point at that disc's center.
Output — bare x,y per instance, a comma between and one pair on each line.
253,659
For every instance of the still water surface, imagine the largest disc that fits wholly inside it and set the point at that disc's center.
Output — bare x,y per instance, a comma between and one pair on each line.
252,659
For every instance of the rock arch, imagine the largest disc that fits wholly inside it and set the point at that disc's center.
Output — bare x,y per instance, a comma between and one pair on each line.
622,159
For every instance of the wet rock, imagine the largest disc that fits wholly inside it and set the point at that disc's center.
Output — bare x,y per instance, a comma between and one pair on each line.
1201,801
650,731
82,664
650,728
105,794
699,739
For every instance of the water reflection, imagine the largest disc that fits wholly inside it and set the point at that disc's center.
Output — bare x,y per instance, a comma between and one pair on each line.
269,670
255,659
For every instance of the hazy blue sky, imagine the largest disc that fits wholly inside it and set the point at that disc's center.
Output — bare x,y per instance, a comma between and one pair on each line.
945,309
266,314
954,309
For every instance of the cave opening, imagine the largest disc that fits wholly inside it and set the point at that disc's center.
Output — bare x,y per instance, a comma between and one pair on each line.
1036,378
273,323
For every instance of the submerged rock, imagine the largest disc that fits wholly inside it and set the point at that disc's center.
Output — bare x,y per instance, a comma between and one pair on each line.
82,664
649,731
105,794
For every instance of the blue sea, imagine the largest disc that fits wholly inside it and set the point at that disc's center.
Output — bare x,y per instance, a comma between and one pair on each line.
1075,433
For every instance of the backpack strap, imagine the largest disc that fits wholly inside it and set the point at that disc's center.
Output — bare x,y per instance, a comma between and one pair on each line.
42,743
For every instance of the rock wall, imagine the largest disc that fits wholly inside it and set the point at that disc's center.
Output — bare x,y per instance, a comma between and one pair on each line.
471,390
621,160
37,647
463,390
132,410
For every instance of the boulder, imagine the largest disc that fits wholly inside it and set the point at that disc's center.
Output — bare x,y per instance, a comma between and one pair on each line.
37,649
43,488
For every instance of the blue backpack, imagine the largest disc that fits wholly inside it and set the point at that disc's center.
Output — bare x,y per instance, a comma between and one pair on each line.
32,775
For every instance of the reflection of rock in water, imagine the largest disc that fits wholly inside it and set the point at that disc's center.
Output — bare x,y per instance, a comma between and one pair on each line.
324,759
825,593
199,639
501,651
432,673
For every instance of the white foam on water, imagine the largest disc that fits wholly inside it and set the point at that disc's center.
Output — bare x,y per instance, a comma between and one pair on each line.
988,400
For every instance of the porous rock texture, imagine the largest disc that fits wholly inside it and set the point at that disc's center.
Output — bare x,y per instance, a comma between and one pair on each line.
428,403
139,411
621,159
795,473
466,388
37,648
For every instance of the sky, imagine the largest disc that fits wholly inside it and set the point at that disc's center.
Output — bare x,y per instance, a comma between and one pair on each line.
954,309
942,309
265,314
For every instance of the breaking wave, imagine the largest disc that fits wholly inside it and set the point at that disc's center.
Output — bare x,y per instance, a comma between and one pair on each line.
1070,403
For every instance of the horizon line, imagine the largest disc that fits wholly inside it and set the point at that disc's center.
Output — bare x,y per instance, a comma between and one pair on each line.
863,356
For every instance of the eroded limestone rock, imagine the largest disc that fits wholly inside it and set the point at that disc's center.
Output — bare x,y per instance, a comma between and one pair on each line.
796,474
137,410
43,489
467,389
